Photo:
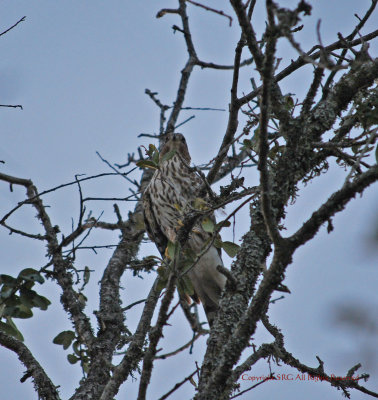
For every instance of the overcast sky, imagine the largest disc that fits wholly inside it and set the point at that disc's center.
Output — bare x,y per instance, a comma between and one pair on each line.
80,69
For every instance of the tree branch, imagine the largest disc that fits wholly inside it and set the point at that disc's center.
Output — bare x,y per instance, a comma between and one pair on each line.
42,383
70,299
186,72
334,204
155,335
300,62
232,119
7,30
134,352
267,74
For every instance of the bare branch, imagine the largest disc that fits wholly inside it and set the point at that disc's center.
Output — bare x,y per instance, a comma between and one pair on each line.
134,352
356,30
252,387
232,119
300,62
7,30
334,204
211,65
22,233
207,8
267,76
11,106
249,33
43,385
178,385
25,182
163,107
164,11
134,182
155,334
183,347
187,70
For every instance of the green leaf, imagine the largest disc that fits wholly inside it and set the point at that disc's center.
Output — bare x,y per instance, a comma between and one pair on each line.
162,271
376,153
188,255
41,302
248,144
223,224
72,359
27,296
161,284
188,285
87,275
208,225
218,243
147,164
10,328
155,157
64,338
200,203
31,298
168,156
151,150
85,366
230,248
30,274
76,347
19,311
289,102
6,292
171,249
8,280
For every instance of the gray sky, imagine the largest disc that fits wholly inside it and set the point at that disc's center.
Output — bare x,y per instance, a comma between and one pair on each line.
80,70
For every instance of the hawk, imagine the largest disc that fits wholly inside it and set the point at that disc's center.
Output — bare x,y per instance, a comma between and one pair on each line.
173,188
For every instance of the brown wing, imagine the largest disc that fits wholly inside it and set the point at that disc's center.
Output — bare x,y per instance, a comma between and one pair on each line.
152,227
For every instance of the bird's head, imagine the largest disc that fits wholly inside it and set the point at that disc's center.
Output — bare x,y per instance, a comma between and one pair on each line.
176,141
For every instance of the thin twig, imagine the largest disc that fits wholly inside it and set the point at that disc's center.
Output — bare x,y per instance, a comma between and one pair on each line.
207,8
7,30
178,385
25,182
181,348
11,106
133,304
233,116
268,378
116,171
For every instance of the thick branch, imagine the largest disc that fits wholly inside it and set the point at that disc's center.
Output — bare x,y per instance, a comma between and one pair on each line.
70,299
155,335
134,352
43,385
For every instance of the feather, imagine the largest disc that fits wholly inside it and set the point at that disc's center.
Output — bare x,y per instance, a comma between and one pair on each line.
172,189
